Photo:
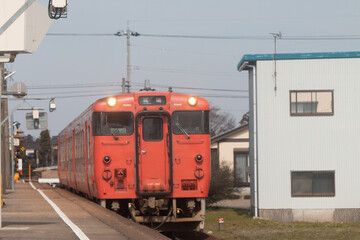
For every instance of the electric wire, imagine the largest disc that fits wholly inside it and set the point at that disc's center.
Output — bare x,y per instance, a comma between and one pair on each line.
206,89
208,37
40,87
329,37
110,84
243,37
81,34
110,92
183,71
119,93
183,52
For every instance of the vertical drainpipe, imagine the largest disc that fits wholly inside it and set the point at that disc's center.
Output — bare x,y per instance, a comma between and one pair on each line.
256,186
254,114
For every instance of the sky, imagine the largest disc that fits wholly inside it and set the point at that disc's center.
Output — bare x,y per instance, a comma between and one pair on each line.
77,70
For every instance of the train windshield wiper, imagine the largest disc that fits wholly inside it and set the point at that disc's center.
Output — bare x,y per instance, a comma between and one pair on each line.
183,130
115,137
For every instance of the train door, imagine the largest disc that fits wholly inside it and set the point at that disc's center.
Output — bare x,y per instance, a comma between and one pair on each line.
153,165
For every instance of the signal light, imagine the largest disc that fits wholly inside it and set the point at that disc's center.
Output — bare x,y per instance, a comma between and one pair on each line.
107,159
199,158
187,185
192,101
111,101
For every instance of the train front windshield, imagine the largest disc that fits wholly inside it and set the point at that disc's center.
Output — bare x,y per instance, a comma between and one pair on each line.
193,122
113,123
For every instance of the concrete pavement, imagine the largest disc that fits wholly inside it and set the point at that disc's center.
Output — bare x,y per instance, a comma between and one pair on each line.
28,215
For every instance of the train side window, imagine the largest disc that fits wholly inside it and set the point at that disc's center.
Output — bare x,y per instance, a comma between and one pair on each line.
152,129
113,123
193,122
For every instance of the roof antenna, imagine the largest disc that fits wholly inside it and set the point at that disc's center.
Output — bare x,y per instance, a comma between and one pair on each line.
276,36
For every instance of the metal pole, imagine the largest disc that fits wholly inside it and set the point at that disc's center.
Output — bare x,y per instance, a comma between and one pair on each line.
12,150
5,132
128,33
123,86
29,171
2,70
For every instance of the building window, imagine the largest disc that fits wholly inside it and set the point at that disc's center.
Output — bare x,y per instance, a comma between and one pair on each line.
309,103
312,183
241,175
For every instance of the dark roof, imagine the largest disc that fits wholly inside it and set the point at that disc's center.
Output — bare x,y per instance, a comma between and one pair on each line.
292,56
230,132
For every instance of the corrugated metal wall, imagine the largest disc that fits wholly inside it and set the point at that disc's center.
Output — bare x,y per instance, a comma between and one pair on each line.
294,143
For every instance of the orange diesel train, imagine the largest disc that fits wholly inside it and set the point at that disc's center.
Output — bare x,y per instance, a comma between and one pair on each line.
145,155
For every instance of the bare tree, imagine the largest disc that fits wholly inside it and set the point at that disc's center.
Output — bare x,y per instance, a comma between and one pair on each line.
245,119
220,121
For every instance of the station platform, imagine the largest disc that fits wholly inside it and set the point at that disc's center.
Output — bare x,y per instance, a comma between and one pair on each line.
39,211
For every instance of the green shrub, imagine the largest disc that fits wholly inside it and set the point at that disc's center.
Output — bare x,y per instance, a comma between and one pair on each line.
221,184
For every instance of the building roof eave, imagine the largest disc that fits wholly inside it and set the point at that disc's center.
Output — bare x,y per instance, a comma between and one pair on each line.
293,56
226,134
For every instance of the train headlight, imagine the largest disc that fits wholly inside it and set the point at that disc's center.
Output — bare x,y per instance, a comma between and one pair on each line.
192,101
111,101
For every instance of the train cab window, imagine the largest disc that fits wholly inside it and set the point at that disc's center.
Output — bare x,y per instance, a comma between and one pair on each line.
192,122
152,129
113,123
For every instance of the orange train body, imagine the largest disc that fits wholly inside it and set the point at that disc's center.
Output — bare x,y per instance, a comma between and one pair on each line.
145,155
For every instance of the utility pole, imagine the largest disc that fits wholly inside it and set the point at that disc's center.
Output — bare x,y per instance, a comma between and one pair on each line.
128,33
128,56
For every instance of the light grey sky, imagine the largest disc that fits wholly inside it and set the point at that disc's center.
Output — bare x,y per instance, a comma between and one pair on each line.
63,61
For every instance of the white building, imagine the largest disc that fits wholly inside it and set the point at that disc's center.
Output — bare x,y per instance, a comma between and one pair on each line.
304,135
232,148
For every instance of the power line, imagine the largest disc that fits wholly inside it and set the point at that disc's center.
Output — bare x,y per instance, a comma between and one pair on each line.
82,34
243,37
208,37
206,89
184,52
87,93
109,91
184,71
74,86
39,87
119,93
340,37
158,35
